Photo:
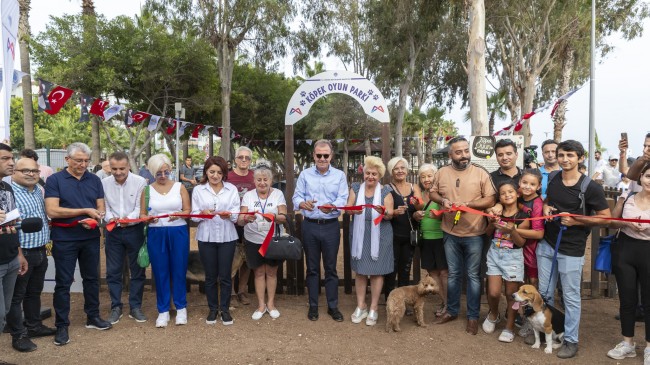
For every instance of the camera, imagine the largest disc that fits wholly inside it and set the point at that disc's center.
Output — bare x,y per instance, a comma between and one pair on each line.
530,156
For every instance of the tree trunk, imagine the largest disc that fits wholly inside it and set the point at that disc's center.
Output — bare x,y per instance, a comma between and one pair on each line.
403,93
186,149
24,33
491,122
147,148
528,98
368,147
428,151
210,143
418,150
344,164
559,120
226,65
476,68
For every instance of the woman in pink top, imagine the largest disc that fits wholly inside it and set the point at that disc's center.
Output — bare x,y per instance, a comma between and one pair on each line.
631,265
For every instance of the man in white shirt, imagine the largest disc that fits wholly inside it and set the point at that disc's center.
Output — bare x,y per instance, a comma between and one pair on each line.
608,174
122,192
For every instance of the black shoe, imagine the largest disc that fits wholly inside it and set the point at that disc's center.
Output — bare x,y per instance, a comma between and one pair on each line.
22,343
41,331
226,318
98,323
335,314
212,316
313,314
61,337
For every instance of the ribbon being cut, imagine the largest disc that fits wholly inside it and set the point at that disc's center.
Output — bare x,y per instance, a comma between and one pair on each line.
360,207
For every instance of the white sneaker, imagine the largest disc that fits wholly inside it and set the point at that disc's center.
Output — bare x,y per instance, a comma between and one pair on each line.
181,316
371,320
506,336
622,350
162,320
489,325
274,313
358,315
257,315
646,356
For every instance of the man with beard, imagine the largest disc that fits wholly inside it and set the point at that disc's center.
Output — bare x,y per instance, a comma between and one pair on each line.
463,184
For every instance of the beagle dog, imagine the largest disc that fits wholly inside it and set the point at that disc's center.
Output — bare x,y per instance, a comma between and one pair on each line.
543,318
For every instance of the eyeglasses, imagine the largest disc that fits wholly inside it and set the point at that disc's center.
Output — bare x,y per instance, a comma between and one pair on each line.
244,158
322,155
79,160
29,172
161,173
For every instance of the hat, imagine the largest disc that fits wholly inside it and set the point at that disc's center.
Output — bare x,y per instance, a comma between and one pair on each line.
612,157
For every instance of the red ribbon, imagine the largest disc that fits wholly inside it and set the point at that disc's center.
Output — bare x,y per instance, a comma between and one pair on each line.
466,209
360,207
92,223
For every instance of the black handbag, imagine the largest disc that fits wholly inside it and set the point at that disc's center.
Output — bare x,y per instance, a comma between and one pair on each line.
284,247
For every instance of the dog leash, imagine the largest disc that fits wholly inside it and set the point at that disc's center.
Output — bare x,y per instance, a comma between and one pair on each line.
554,262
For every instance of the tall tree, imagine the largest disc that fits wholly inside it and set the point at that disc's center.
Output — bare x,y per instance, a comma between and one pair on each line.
90,37
24,35
233,26
401,30
476,68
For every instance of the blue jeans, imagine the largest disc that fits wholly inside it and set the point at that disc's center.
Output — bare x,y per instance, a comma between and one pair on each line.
322,239
120,242
464,253
66,254
8,274
216,258
570,273
169,249
27,293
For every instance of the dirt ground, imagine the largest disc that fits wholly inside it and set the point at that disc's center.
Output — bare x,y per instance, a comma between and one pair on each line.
293,339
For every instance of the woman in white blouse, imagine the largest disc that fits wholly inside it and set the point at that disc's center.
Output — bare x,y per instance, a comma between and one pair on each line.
168,240
217,236
263,199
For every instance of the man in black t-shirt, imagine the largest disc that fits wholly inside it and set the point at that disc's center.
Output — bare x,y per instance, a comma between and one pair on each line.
505,151
563,196
12,262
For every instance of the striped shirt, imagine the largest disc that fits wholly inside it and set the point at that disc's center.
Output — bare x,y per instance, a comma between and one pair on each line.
31,204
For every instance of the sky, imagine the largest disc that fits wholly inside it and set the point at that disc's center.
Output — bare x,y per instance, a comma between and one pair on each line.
621,81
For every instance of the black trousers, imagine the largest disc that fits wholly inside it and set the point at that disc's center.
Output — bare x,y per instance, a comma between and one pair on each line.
27,294
631,266
216,258
403,258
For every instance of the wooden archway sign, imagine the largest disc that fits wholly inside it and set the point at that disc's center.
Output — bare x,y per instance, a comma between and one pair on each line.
318,86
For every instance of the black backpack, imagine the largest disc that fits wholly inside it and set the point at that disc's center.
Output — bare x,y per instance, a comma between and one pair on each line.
583,188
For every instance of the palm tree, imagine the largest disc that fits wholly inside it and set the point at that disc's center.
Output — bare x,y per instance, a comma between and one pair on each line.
496,103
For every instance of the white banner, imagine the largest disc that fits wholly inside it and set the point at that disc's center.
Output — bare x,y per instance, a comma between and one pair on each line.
336,82
10,15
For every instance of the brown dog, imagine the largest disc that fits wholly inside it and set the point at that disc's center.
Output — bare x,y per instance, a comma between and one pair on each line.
413,295
542,317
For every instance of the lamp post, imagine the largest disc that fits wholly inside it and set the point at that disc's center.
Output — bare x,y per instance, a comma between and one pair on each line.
592,92
180,113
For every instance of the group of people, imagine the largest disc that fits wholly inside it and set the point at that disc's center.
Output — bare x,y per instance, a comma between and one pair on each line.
389,222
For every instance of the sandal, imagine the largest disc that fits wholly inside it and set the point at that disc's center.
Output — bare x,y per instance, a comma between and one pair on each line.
506,336
441,311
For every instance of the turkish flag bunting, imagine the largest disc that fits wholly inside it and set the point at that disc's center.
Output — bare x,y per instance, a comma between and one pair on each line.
197,129
57,98
98,107
172,126
519,125
140,116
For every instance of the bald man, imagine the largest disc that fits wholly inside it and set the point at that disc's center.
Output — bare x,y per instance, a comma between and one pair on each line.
105,171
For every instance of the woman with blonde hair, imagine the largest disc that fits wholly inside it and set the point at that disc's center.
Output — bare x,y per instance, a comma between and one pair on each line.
371,244
168,240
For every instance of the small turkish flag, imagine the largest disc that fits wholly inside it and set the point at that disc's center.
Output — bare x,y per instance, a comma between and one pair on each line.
197,129
171,126
98,107
57,98
519,125
140,116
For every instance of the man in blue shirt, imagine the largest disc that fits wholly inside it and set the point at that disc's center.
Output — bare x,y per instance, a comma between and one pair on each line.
550,163
318,190
71,195
28,289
